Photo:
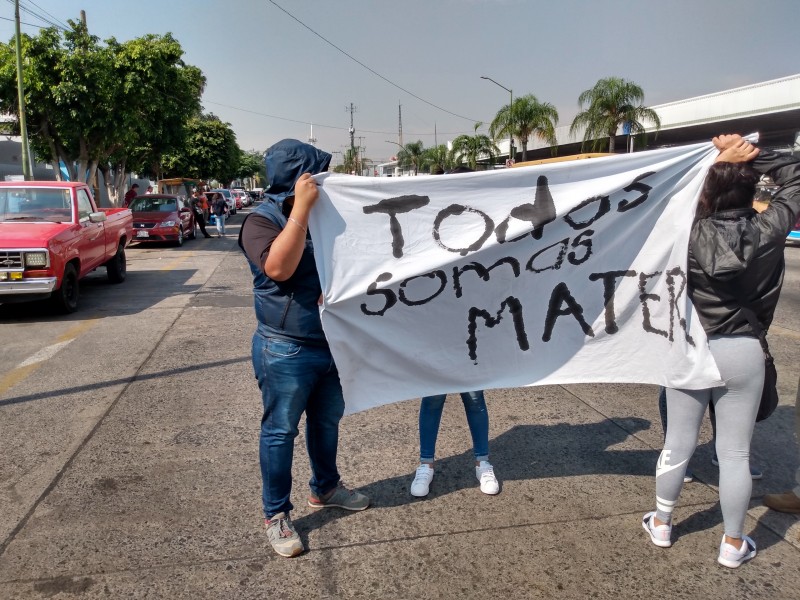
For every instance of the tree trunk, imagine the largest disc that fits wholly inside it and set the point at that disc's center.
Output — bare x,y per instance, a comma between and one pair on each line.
524,142
611,142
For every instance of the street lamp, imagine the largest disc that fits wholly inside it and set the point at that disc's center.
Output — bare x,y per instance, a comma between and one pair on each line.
510,122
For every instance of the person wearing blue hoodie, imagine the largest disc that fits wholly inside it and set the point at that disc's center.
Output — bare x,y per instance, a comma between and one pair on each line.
291,358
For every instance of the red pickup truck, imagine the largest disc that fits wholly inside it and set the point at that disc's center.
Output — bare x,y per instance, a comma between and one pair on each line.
51,235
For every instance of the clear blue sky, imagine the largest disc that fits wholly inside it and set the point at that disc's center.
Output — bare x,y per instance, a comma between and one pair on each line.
270,77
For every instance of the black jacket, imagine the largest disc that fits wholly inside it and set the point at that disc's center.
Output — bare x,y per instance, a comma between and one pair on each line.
741,252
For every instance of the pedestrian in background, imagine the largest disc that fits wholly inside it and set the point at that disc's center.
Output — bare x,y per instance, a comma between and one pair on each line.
130,195
197,203
220,209
291,358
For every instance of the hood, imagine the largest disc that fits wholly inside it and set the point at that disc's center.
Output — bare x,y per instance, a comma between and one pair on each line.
30,235
724,243
155,215
286,161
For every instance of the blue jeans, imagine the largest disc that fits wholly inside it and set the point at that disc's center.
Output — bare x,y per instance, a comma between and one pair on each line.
430,415
293,379
220,220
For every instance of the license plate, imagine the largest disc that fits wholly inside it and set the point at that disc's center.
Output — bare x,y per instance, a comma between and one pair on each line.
141,233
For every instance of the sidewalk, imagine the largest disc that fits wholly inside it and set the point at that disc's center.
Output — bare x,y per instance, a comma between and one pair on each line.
164,501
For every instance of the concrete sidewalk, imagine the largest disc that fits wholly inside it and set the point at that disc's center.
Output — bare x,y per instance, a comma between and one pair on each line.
164,500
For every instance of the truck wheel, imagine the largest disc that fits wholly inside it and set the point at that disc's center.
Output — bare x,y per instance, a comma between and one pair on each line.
65,298
116,267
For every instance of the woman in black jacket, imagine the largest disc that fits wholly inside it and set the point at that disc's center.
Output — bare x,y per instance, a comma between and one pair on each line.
735,259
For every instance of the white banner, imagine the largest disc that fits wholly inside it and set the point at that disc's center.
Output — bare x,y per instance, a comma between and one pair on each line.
567,272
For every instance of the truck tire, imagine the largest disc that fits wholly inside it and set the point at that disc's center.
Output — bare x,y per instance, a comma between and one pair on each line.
116,267
65,298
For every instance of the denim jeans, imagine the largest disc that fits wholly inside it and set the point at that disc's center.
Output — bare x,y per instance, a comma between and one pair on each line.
430,415
220,219
293,379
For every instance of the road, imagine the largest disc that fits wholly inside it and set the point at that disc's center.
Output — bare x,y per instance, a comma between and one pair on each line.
128,430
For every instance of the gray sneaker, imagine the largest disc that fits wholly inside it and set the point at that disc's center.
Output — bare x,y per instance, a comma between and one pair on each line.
283,536
340,497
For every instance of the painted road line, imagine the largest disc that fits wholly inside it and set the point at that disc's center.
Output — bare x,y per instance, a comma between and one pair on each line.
174,263
33,362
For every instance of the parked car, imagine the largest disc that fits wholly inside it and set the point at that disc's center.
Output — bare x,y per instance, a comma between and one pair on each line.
162,218
240,197
228,198
52,234
794,234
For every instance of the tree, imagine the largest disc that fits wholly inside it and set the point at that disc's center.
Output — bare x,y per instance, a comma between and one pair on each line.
526,118
251,164
211,151
100,106
611,103
411,156
438,156
473,147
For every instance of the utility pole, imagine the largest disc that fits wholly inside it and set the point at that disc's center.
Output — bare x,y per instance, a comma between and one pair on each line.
352,129
311,139
400,124
83,18
23,126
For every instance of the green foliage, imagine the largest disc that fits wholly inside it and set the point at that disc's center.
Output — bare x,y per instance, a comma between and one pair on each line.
612,102
210,151
471,148
438,158
251,164
411,156
526,118
102,105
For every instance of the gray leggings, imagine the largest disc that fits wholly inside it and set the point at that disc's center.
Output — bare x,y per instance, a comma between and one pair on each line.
741,363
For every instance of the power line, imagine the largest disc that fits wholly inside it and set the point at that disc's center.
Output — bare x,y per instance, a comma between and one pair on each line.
327,41
58,21
37,16
23,23
306,122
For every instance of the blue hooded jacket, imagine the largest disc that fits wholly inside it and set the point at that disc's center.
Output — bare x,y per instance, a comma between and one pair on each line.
286,161
288,309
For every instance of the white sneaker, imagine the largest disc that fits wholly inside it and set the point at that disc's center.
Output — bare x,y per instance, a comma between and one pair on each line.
730,556
485,474
660,535
422,480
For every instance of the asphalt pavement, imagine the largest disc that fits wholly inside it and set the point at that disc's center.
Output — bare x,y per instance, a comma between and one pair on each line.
160,496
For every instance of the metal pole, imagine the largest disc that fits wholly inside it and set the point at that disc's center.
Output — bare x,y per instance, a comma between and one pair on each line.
26,157
510,114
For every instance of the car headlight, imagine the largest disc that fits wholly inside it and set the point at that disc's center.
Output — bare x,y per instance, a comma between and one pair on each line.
168,224
35,260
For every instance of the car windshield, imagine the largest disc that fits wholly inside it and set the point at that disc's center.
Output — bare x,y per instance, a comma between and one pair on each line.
35,204
153,204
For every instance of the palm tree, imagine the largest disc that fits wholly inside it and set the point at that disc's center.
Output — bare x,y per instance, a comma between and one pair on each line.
411,155
612,102
471,147
438,157
526,118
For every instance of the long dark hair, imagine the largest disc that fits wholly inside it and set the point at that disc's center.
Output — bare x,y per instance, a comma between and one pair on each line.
727,186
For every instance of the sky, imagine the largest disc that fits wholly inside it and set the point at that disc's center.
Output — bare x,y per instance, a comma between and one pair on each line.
275,67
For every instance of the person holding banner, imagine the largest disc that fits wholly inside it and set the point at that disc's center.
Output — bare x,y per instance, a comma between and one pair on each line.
734,252
291,357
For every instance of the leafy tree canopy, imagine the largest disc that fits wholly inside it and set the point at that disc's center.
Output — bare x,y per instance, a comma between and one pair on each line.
611,103
100,105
